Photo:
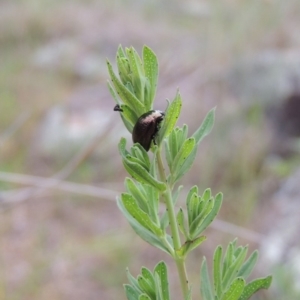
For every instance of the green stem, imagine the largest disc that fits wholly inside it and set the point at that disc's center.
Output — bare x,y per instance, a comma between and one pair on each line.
180,263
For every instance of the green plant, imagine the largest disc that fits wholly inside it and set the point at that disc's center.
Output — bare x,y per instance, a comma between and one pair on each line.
151,185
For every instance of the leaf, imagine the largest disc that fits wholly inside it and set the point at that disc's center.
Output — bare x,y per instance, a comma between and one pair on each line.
146,286
208,207
170,119
123,66
184,152
151,72
181,223
137,73
235,290
205,287
217,267
133,281
254,286
140,174
234,268
143,218
144,233
127,97
161,270
138,195
249,264
139,152
131,293
129,114
228,258
205,127
211,216
148,276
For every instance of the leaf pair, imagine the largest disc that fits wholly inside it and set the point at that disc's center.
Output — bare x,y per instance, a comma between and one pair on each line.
201,211
148,285
181,150
230,275
134,90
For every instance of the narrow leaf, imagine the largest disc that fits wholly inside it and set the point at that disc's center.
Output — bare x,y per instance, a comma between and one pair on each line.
248,266
131,293
205,127
205,287
138,214
170,119
218,271
181,223
254,286
151,72
211,216
161,270
235,290
184,152
144,233
142,175
126,96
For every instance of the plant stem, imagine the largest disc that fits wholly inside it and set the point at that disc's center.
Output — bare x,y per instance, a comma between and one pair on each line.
180,263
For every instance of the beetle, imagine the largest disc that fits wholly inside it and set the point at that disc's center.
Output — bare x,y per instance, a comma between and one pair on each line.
146,128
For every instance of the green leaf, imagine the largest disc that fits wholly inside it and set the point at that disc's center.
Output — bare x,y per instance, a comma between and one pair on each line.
129,115
181,223
146,286
207,208
143,218
135,160
206,194
205,287
133,281
254,286
131,293
127,97
235,290
138,195
148,276
161,270
123,66
140,230
170,119
140,174
192,204
218,271
139,152
228,258
205,127
151,72
138,79
211,216
249,264
184,152
234,268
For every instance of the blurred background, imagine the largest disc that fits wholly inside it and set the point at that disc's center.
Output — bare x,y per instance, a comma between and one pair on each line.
61,234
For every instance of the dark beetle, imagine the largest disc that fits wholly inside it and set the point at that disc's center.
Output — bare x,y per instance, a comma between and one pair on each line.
146,128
